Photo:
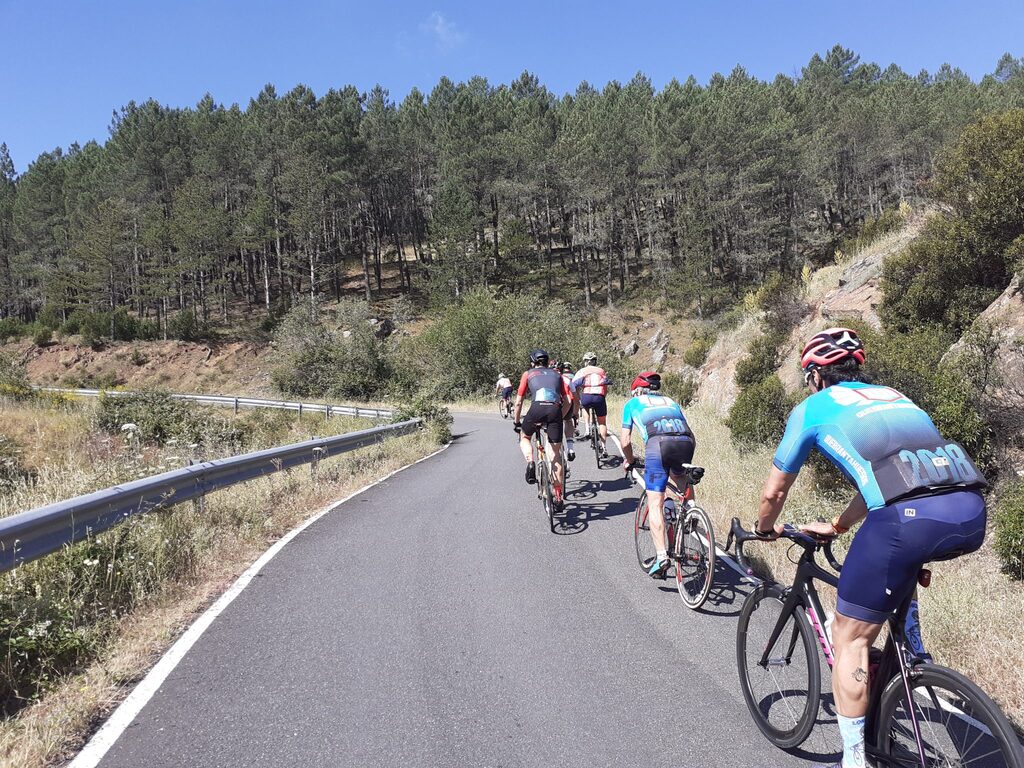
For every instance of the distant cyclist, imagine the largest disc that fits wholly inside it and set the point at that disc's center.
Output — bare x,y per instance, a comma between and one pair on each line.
916,492
668,445
591,384
550,402
569,427
503,388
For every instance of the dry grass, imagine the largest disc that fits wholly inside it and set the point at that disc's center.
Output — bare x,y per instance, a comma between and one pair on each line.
192,557
972,615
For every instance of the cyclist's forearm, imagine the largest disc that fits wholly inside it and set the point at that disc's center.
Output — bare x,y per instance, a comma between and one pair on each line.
773,497
627,445
518,410
855,511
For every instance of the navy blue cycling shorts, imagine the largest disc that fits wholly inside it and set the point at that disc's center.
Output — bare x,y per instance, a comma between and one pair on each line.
506,392
597,402
666,454
894,542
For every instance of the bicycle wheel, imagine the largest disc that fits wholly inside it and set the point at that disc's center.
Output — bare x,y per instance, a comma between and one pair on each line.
958,723
782,696
695,557
645,550
595,439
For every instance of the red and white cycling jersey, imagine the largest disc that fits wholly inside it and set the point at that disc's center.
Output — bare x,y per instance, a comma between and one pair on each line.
593,379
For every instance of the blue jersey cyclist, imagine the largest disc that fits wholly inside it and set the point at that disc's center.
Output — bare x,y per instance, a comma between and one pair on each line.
668,446
917,493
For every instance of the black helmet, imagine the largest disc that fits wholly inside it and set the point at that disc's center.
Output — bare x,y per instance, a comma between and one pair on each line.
538,357
567,367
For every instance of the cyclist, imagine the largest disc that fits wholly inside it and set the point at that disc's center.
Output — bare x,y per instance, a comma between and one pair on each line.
668,445
550,402
569,427
594,382
916,492
503,388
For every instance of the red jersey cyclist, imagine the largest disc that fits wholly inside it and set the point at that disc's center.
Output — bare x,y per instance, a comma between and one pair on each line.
551,401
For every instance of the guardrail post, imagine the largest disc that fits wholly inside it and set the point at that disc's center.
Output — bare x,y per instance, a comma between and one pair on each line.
198,503
327,411
236,406
300,411
317,453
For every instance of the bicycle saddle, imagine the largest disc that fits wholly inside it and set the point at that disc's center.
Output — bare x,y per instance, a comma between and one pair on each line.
696,473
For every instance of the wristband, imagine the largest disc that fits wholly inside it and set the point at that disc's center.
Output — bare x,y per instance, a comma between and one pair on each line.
839,529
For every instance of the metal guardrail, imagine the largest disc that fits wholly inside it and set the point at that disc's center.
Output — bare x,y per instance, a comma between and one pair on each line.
29,535
230,401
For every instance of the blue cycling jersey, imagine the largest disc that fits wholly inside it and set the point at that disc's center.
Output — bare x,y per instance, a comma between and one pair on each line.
654,415
881,441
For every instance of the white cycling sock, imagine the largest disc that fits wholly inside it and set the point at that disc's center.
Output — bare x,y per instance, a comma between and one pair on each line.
852,731
572,445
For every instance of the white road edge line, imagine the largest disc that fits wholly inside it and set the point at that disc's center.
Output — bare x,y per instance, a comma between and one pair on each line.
101,742
722,554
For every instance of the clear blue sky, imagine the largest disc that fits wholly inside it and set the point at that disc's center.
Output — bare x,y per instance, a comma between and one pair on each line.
65,66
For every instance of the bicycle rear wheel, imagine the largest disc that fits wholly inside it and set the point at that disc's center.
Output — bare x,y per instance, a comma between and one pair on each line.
695,557
645,550
783,696
958,723
595,439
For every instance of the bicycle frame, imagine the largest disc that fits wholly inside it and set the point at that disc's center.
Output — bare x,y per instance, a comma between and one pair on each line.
803,593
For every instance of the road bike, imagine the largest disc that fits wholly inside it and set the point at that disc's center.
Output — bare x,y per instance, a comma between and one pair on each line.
689,531
919,713
594,435
545,476
504,406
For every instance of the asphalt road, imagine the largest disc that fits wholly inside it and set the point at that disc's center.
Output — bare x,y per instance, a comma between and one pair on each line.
436,621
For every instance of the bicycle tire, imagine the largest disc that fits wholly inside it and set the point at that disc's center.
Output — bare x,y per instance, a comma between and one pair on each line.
694,552
595,439
645,550
809,694
894,741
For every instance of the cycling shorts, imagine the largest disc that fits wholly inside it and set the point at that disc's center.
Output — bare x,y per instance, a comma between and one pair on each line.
893,544
597,402
666,454
506,393
546,415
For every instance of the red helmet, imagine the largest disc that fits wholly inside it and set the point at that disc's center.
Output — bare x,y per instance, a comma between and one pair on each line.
647,380
832,346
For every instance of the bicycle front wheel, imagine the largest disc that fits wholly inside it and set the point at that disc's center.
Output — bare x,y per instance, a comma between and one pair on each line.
695,557
957,722
645,550
782,693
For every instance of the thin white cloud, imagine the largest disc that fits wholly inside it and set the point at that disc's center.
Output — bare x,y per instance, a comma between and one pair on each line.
444,32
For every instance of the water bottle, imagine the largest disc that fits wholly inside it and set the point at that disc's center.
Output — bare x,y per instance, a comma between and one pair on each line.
829,618
669,511
912,631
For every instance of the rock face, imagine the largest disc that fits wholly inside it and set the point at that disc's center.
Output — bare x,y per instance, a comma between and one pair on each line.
630,348
841,293
1004,400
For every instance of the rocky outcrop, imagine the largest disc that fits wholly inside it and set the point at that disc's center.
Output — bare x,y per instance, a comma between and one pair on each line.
852,291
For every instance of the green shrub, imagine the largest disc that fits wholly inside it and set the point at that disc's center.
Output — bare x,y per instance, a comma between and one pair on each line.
13,378
42,337
318,361
761,361
873,228
758,417
697,353
186,326
158,418
680,388
138,358
436,419
49,317
11,328
1009,529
